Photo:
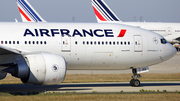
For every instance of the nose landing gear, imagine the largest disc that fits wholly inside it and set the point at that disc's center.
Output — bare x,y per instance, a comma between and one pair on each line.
134,81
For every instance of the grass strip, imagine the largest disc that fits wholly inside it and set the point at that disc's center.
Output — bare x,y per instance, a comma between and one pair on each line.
96,97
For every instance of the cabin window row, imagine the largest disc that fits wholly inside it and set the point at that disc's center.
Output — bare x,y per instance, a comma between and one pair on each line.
158,30
35,42
104,43
9,42
177,30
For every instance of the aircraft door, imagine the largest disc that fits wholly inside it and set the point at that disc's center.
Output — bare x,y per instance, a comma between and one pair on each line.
169,30
138,45
66,44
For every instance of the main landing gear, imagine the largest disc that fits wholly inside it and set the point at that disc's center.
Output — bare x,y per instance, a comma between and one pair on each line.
134,81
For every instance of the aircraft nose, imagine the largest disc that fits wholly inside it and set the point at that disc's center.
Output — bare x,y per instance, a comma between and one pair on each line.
174,50
168,52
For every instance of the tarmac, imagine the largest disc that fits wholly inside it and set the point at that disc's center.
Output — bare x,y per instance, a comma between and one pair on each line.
89,88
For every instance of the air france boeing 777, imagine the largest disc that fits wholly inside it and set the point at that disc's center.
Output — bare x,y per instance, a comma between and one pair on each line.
40,53
170,31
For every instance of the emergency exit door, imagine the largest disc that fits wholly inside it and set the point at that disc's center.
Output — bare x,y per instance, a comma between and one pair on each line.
66,44
138,45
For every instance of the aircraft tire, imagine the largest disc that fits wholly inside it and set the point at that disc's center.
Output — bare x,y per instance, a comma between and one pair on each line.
132,82
135,83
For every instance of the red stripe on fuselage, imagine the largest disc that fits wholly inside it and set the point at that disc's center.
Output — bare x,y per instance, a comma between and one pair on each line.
99,15
122,33
27,18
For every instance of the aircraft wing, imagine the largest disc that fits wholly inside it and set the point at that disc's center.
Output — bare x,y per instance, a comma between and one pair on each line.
178,38
172,38
8,50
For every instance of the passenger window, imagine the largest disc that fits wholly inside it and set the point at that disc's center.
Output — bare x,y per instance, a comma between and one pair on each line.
1,42
121,43
83,42
33,42
99,43
106,42
102,43
128,43
87,43
117,43
45,42
13,42
91,42
110,43
95,42
114,43
41,42
9,42
76,42
25,42
124,43
136,42
37,42
29,42
17,42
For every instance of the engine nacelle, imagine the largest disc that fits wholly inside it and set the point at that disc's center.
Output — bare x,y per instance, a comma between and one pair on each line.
40,69
2,75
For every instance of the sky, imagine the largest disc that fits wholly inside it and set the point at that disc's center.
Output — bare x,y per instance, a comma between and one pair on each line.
126,10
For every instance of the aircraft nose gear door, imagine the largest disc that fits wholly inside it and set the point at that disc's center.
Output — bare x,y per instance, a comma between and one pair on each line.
138,45
66,44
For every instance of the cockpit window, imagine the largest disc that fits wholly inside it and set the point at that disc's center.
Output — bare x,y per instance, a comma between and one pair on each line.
164,41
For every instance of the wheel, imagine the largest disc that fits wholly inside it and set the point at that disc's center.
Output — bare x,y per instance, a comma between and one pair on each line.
136,83
132,82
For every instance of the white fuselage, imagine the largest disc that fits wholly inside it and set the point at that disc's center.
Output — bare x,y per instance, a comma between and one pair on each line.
89,46
170,31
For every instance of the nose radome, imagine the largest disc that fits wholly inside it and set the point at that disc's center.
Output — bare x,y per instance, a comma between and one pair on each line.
174,51
169,52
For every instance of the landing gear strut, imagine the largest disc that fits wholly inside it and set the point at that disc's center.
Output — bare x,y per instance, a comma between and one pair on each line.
134,81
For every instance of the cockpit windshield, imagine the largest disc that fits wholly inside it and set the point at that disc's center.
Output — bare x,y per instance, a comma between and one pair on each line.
164,41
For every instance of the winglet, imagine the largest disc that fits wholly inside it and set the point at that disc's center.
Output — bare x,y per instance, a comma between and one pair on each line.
103,12
28,13
16,20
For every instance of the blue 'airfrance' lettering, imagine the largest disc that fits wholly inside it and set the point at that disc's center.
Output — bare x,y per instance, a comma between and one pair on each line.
44,31
65,32
97,34
36,31
108,33
28,32
89,33
69,33
76,32
54,31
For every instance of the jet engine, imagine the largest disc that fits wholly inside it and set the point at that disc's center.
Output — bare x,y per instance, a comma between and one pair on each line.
39,69
2,75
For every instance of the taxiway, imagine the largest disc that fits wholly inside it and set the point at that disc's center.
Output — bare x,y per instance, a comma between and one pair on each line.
111,87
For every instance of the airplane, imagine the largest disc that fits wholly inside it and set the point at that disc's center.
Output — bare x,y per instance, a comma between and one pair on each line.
27,12
170,31
40,53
